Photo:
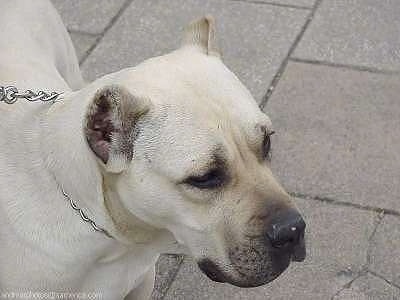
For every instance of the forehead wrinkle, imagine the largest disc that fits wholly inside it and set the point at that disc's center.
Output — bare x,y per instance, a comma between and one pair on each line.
216,159
219,157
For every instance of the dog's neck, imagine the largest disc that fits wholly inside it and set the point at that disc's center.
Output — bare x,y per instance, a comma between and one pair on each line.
68,157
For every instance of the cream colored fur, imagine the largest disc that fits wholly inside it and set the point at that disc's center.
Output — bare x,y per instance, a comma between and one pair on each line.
195,103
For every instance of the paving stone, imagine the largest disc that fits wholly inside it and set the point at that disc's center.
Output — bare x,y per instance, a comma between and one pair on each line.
385,254
166,269
255,38
82,43
369,287
337,134
300,3
337,242
88,15
357,32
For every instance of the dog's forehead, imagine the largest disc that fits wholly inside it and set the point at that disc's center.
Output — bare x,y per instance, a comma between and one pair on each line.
198,105
195,84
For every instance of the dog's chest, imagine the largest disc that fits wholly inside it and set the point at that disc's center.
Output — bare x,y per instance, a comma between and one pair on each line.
115,280
33,270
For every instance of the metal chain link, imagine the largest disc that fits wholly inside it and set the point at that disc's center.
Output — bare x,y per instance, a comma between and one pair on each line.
10,94
84,217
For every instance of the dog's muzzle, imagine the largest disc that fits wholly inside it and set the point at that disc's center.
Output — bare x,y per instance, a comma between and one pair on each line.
259,260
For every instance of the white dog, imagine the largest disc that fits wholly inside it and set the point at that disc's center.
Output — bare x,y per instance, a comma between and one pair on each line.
97,184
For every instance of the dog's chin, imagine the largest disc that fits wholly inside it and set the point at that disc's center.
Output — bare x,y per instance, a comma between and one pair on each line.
212,271
240,279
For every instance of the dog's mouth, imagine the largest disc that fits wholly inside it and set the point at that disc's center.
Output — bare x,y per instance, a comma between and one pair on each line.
213,272
255,275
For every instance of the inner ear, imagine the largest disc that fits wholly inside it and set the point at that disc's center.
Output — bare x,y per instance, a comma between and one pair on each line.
100,128
110,126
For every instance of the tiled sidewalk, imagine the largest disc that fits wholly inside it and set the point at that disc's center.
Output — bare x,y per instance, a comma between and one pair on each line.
327,73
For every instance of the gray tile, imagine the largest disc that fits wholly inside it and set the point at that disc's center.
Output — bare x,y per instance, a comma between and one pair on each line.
385,254
300,3
337,134
357,32
255,38
166,269
82,43
88,15
337,242
369,287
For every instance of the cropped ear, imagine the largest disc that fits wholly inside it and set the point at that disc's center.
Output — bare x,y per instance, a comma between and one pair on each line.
201,33
110,126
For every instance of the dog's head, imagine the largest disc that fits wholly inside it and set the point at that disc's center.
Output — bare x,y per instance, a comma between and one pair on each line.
186,148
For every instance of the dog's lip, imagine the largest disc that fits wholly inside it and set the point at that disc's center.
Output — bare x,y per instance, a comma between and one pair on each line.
211,270
298,257
299,252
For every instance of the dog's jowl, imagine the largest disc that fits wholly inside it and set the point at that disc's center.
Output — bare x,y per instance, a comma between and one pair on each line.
170,155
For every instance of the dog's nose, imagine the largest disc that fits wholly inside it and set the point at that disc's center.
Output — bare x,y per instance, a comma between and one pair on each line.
286,230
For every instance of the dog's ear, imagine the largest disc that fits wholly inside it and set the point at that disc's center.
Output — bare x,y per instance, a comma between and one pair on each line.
201,33
110,126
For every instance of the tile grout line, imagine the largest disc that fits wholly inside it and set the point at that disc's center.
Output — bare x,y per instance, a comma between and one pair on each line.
380,217
173,277
365,268
285,62
274,4
384,279
344,66
106,29
347,285
378,210
74,31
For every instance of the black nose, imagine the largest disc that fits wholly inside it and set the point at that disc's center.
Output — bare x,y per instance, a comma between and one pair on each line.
286,230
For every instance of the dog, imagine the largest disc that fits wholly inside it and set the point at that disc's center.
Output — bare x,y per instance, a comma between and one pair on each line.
171,154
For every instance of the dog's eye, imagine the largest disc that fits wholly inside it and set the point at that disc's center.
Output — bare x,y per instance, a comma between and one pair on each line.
266,147
212,179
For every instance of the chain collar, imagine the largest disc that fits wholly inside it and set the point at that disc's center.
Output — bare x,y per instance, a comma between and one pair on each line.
84,217
10,95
